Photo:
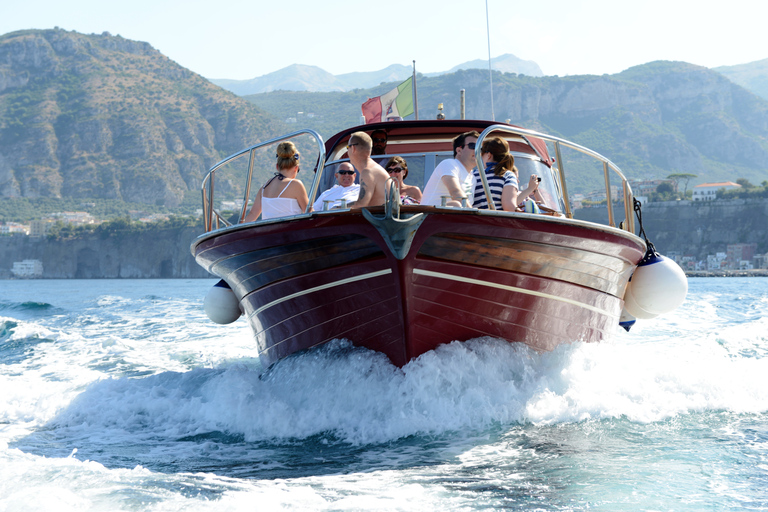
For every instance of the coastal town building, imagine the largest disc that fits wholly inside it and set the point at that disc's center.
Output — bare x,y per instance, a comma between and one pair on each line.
11,228
40,227
761,261
75,218
708,191
27,268
646,187
716,261
741,255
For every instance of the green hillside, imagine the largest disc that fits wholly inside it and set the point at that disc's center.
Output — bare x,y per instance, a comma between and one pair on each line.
99,116
102,117
652,120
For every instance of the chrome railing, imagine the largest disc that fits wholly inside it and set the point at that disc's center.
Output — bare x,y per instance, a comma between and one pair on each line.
213,219
629,222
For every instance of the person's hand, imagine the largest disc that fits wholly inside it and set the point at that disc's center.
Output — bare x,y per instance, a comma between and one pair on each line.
533,182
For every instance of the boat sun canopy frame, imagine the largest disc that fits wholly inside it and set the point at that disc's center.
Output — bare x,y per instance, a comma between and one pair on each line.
529,135
211,217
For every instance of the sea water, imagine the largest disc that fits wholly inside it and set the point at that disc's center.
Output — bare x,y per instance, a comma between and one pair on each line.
120,395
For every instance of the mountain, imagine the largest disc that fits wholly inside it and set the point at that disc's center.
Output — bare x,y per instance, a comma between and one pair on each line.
752,76
506,63
364,80
103,117
651,120
100,116
298,77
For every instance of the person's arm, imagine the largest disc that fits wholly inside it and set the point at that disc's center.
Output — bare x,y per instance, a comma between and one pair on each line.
454,190
318,204
255,208
301,196
415,192
509,198
533,185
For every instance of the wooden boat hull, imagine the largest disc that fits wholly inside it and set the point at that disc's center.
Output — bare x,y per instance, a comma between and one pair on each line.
450,275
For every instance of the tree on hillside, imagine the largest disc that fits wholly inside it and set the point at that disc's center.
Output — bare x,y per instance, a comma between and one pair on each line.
685,177
745,183
664,192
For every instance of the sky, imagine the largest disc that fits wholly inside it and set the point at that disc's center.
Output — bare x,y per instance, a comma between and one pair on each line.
238,39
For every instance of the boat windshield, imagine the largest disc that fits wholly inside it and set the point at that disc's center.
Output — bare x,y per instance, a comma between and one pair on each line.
421,165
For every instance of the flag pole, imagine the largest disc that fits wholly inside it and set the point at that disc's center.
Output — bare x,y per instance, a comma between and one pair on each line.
415,95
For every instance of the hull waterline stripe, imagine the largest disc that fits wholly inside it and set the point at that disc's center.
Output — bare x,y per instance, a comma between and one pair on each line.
469,280
324,287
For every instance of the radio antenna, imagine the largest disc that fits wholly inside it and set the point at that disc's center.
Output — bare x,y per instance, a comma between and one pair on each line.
490,70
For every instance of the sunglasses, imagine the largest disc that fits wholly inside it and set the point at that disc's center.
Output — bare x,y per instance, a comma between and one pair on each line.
379,140
350,145
394,169
346,172
470,145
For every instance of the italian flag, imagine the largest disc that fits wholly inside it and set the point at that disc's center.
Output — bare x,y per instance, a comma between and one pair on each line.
396,103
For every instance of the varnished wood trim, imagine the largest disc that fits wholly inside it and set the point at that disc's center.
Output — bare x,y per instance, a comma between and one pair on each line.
441,275
323,287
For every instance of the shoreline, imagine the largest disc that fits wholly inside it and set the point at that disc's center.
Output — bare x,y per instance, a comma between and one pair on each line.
758,272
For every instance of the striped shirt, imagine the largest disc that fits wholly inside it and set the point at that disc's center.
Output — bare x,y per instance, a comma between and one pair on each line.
495,183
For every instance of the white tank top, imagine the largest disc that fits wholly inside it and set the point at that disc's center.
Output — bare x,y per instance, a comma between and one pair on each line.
274,207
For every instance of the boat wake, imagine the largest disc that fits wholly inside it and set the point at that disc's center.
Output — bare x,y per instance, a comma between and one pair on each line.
356,396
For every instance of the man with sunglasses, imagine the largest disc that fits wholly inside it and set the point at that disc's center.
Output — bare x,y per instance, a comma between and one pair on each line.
379,138
449,176
346,189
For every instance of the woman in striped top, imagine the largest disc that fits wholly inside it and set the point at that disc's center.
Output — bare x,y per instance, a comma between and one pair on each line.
502,175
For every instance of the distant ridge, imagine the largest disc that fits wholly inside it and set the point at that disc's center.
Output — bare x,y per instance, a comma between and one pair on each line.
300,77
506,63
752,76
652,120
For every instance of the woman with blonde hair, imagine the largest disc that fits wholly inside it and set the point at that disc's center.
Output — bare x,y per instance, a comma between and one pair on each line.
397,168
283,195
502,177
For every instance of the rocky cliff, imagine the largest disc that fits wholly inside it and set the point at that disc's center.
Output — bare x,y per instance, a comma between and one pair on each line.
100,116
651,120
690,228
698,228
163,253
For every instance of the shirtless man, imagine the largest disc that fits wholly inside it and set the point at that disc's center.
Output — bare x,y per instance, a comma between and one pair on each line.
373,177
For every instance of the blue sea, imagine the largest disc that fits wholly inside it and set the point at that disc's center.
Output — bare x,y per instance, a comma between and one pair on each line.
120,395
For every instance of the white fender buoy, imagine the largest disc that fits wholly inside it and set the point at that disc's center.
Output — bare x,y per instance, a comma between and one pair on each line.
626,321
657,286
221,304
631,307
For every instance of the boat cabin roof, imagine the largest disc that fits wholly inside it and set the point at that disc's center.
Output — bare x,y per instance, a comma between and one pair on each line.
431,136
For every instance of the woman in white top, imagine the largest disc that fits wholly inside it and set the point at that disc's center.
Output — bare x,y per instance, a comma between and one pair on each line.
283,195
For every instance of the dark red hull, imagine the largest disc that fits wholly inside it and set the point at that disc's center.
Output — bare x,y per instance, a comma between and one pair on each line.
533,279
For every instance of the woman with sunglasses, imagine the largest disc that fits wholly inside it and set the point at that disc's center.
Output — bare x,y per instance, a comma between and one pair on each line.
502,177
283,195
398,171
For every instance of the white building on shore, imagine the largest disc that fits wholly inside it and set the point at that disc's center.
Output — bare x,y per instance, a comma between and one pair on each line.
27,268
708,191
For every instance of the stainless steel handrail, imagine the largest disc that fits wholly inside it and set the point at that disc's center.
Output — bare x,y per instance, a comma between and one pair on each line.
209,212
628,225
